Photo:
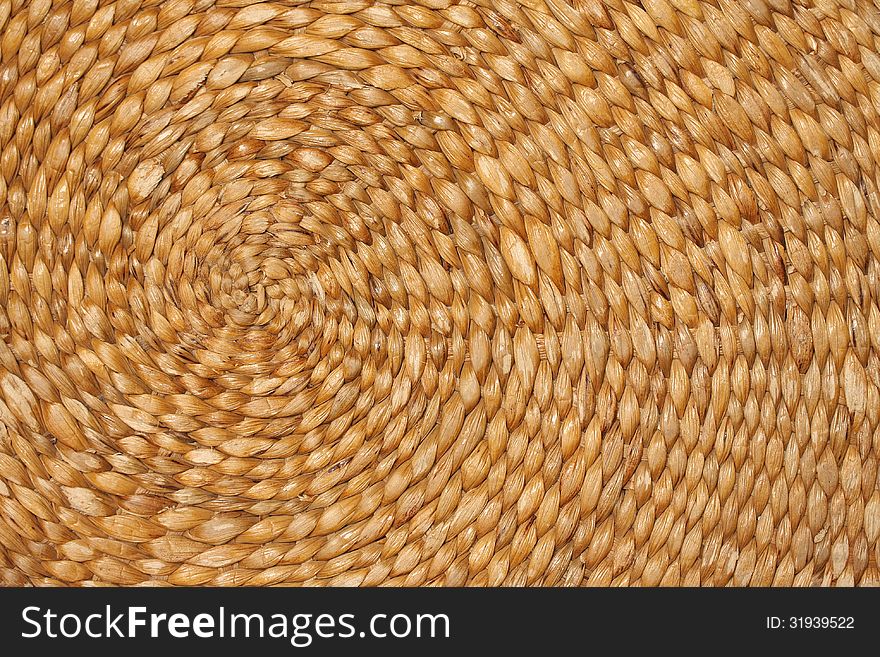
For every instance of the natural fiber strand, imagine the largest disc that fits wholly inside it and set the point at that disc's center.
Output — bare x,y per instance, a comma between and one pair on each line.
547,292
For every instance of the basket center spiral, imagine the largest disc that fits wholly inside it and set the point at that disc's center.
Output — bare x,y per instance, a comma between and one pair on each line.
439,293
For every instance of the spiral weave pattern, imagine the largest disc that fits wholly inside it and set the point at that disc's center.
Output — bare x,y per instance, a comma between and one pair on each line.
537,292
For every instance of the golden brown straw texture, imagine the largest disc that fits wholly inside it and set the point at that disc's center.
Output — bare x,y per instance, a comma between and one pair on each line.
545,292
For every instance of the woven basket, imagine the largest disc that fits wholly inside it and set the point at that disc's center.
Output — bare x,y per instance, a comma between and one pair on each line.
550,292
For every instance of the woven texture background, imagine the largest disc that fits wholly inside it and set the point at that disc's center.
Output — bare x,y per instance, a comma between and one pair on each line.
492,293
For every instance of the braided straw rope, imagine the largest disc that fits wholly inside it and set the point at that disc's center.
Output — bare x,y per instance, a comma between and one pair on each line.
553,292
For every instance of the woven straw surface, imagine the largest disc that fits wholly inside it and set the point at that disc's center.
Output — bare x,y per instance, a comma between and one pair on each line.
491,293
